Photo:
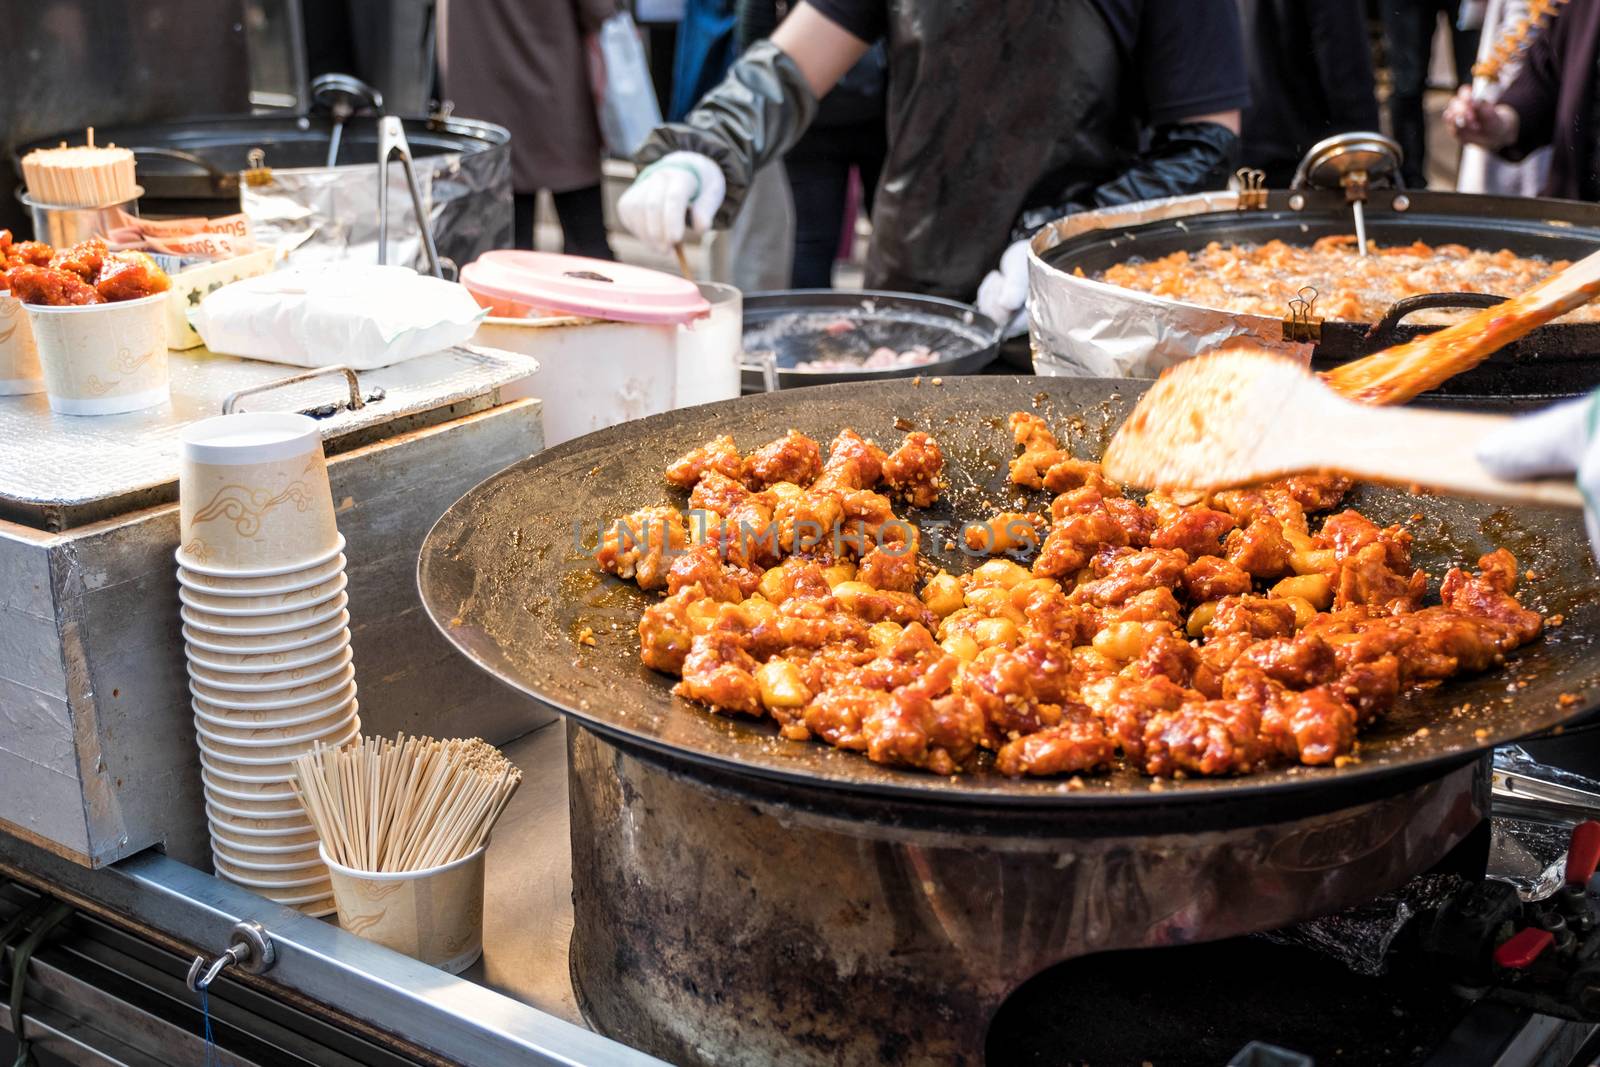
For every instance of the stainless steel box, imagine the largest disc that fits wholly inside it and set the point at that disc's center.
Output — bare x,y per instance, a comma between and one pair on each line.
97,752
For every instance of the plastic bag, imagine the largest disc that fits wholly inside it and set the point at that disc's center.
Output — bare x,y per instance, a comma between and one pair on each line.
627,98
362,316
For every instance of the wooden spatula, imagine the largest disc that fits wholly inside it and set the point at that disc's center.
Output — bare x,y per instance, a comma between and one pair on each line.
1240,417
1397,374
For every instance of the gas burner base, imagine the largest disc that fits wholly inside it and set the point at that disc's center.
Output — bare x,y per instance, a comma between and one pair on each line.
724,920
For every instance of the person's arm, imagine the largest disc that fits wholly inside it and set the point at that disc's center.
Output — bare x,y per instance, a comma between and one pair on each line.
1532,96
1343,56
752,117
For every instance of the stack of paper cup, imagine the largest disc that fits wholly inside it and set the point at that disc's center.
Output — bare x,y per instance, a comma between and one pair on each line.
261,577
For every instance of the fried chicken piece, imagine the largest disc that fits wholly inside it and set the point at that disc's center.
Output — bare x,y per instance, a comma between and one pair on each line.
718,493
642,546
1314,492
1260,548
702,565
719,672
51,288
1197,531
1019,691
1216,737
853,463
890,567
1314,727
1032,433
720,455
1075,539
913,470
1077,742
1299,662
1121,574
130,276
1256,616
1488,596
1367,577
666,632
30,254
1212,578
794,457
83,259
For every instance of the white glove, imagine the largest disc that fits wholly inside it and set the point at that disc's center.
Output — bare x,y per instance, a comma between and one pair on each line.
1558,440
1003,294
680,189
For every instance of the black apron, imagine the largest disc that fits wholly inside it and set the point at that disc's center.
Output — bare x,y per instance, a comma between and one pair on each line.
993,107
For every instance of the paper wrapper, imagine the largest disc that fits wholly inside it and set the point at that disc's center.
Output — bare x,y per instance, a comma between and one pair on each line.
1081,328
362,316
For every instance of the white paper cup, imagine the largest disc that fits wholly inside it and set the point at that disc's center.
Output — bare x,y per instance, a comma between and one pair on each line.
238,714
246,817
251,828
269,761
245,847
254,664
198,567
257,797
295,719
265,742
273,700
270,858
228,733
236,776
247,607
272,584
253,494
433,915
264,625
274,680
19,356
229,647
285,878
101,359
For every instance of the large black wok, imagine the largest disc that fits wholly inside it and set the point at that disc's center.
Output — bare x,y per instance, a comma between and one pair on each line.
505,577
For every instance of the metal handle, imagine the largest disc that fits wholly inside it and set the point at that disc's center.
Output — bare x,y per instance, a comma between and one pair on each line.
356,402
1427,301
249,948
392,140
222,180
767,363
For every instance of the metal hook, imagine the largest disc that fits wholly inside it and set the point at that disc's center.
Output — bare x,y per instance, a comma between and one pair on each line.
200,983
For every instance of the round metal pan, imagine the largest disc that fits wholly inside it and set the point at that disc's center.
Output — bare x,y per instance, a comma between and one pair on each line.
1554,361
507,577
201,158
793,324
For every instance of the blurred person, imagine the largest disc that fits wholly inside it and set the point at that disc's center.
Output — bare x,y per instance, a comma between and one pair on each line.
1409,27
848,132
1002,116
1481,170
1310,77
1552,101
523,64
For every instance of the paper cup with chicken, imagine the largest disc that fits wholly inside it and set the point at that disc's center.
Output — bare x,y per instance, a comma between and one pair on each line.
100,326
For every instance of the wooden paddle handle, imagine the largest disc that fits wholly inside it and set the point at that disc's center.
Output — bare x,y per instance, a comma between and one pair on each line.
1437,449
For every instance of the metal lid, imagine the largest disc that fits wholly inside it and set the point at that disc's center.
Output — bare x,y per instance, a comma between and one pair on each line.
1331,161
515,283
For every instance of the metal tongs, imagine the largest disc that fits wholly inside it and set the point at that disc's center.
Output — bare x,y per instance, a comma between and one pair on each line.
1524,786
392,140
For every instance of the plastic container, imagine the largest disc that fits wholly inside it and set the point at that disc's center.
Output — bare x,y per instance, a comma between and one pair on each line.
515,284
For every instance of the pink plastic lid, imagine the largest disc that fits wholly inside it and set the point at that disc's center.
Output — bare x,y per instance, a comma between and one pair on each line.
505,281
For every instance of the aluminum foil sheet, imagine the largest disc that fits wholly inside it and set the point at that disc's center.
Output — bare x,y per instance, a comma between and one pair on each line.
317,214
63,470
1083,328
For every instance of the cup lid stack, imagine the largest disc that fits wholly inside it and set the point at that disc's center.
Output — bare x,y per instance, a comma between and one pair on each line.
261,576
